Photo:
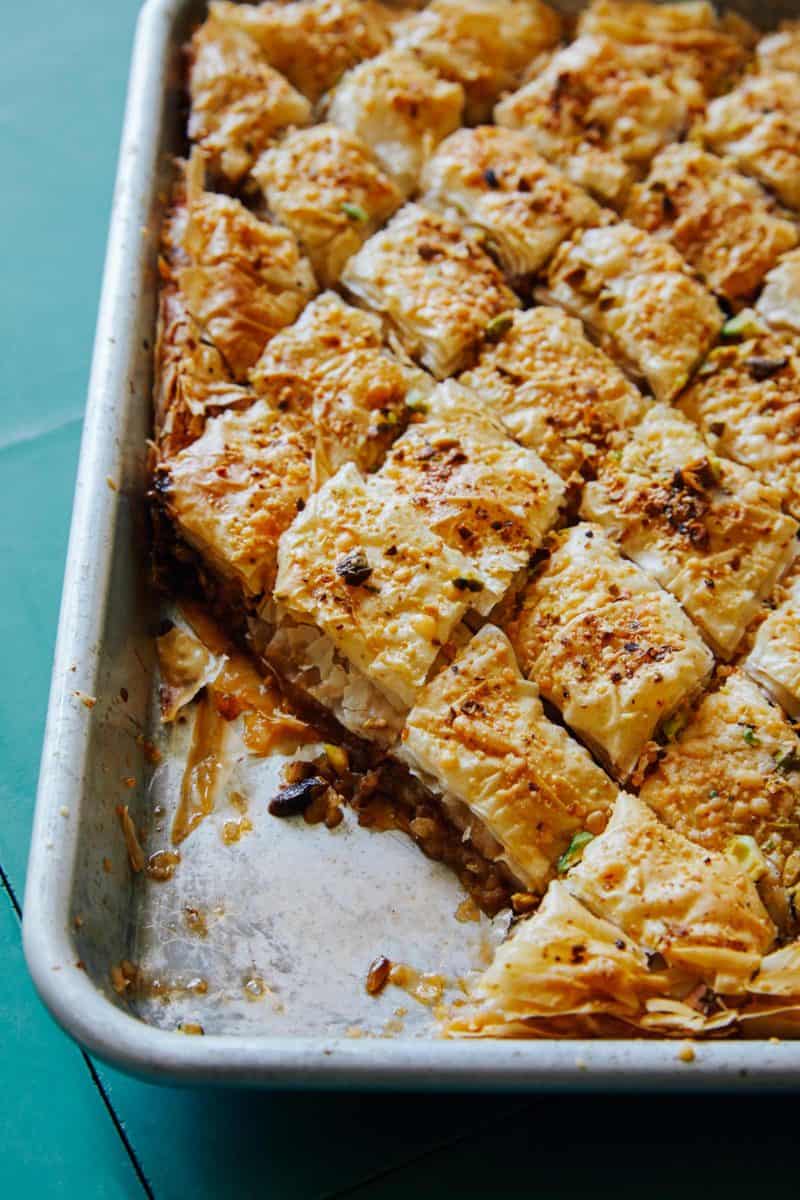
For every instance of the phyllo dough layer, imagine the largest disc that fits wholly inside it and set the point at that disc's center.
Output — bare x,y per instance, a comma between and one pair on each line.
606,645
775,657
481,44
400,109
600,110
440,290
642,301
311,42
704,527
363,565
492,180
475,487
478,734
731,781
719,220
332,366
779,302
324,185
746,400
554,390
239,102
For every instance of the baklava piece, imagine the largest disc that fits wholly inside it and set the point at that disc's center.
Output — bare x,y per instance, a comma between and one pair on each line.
606,645
702,526
746,400
484,45
493,181
713,49
555,391
234,490
780,51
438,288
731,782
479,737
600,111
243,279
311,42
476,488
361,563
325,186
775,657
647,932
758,126
641,301
400,109
779,302
719,220
192,382
239,103
332,367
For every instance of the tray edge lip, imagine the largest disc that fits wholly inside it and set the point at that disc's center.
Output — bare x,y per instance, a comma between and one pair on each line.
79,1008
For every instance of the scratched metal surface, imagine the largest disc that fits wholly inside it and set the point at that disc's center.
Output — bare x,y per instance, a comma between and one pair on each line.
302,909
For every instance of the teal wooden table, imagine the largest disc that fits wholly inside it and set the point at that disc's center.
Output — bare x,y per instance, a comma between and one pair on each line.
68,1125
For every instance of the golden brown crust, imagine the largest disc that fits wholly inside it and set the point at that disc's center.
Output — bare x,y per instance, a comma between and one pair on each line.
746,400
719,220
555,391
434,283
611,650
775,657
491,179
481,44
400,109
703,527
239,102
642,301
325,186
311,42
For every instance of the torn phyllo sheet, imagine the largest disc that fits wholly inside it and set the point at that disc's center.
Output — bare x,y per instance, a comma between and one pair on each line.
440,291
400,109
713,49
719,220
774,659
780,51
702,526
779,302
192,382
479,738
361,563
311,42
647,932
239,103
493,181
481,492
554,391
233,491
484,45
758,126
640,299
325,186
600,111
730,781
746,400
606,645
332,366
242,279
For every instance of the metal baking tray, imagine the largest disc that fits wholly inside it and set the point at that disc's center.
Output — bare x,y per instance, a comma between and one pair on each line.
265,942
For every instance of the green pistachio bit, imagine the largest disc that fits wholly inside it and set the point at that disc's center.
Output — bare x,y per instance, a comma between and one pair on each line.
498,326
744,324
574,851
749,735
355,212
673,725
787,760
744,850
